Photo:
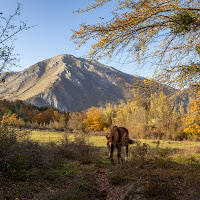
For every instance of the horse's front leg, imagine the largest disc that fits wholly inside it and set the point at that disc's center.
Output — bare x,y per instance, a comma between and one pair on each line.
126,158
119,155
111,149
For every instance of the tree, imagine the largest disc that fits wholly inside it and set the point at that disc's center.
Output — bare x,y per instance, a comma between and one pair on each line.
75,120
9,29
62,121
110,112
95,120
161,115
47,116
9,119
164,33
192,118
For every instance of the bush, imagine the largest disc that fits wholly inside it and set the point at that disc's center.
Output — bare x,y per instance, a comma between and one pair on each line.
140,151
9,151
80,150
18,154
181,136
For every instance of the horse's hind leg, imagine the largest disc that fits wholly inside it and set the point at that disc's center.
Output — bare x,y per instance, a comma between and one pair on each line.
126,158
119,155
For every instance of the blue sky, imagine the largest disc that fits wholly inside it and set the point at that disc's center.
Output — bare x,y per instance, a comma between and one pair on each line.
53,20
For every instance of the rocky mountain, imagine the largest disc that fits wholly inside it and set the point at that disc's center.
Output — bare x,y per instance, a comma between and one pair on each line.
183,97
68,83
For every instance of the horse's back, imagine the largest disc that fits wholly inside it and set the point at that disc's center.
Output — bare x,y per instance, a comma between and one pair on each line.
124,132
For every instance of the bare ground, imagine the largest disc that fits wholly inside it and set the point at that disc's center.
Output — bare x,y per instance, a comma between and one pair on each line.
106,191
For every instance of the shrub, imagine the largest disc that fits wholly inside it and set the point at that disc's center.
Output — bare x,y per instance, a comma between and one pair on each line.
11,159
181,136
18,154
140,150
80,150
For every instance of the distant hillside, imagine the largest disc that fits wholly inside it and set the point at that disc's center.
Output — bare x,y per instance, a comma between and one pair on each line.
69,83
183,96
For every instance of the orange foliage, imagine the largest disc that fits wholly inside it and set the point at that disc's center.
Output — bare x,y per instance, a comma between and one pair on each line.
192,119
56,116
10,119
48,115
95,120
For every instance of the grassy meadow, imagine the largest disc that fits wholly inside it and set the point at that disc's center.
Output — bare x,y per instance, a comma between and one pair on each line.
173,149
100,140
45,136
50,168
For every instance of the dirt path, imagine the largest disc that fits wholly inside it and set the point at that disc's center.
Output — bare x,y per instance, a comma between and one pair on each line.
106,191
102,183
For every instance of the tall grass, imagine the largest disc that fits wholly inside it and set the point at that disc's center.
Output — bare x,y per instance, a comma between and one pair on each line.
19,153
68,168
158,173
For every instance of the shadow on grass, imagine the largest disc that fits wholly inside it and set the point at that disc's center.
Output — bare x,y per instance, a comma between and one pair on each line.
158,174
29,168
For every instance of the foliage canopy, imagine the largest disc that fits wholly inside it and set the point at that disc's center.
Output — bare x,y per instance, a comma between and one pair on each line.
192,118
163,33
95,120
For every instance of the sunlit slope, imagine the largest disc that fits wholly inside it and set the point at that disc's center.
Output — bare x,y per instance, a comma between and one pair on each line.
69,83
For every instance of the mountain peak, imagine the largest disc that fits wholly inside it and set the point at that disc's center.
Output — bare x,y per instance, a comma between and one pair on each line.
68,83
62,56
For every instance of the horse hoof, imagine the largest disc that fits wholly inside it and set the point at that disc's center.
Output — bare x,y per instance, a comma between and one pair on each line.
120,161
113,163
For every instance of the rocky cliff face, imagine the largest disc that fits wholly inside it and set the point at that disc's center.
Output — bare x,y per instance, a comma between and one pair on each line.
67,83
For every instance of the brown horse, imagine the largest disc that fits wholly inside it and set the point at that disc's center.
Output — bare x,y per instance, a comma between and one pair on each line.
117,138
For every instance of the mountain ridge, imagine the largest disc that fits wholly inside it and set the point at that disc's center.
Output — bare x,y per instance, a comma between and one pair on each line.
68,83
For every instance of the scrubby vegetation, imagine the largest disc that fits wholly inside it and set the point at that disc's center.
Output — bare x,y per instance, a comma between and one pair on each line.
72,168
78,170
159,173
18,153
31,166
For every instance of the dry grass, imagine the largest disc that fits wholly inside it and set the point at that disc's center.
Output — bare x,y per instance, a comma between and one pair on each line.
159,173
100,140
46,136
157,170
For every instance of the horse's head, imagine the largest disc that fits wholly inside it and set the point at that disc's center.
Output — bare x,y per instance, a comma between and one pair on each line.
110,139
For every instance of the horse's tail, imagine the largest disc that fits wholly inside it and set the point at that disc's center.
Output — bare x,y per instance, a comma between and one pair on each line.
131,141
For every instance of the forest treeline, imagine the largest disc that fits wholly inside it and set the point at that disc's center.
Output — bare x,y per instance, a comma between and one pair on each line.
17,113
155,117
